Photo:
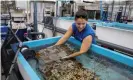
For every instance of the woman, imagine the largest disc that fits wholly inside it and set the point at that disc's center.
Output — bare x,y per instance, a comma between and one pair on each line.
80,31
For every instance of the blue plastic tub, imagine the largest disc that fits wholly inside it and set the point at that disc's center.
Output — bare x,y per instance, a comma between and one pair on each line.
29,74
4,29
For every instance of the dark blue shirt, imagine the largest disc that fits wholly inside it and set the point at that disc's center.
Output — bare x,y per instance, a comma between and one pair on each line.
84,33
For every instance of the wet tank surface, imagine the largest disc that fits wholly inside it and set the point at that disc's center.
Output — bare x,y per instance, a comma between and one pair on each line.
91,65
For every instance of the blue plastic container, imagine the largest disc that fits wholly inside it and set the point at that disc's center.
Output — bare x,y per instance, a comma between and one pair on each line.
4,29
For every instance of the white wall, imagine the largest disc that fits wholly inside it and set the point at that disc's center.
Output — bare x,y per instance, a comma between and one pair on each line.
65,24
116,36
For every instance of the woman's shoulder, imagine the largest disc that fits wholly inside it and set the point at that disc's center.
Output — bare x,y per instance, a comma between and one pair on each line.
74,24
89,29
74,27
88,25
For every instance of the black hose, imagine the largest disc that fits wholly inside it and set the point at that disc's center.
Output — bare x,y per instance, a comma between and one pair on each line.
126,50
37,33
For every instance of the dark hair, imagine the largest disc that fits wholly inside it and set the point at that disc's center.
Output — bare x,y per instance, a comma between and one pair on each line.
81,14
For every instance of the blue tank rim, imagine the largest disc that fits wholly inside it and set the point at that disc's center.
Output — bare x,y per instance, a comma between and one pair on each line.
102,51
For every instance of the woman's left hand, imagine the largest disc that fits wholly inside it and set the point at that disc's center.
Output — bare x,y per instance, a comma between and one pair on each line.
66,57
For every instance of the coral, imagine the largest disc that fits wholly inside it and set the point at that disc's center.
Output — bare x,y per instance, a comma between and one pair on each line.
57,69
68,70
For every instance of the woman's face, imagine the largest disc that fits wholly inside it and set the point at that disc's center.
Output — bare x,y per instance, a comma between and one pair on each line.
80,23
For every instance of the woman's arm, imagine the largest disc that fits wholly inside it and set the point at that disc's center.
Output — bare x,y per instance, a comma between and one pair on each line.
84,47
65,37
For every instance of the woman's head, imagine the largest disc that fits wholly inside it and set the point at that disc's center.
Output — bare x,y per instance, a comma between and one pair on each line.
81,19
